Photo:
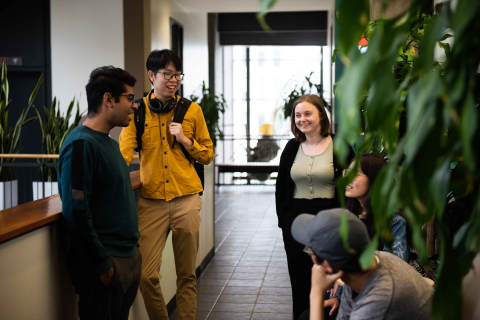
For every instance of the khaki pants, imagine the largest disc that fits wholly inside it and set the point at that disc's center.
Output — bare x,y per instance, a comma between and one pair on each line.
155,220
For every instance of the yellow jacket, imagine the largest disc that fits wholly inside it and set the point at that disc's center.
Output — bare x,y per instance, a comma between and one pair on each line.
165,172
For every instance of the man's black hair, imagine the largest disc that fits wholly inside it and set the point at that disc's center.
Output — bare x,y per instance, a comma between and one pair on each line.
160,59
106,79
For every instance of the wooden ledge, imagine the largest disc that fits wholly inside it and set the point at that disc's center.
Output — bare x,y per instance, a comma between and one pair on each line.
27,217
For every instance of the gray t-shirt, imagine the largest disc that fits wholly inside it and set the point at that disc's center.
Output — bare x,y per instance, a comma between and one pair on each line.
394,290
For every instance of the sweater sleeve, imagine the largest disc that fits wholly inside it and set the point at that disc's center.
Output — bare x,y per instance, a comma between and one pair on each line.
399,247
82,171
280,185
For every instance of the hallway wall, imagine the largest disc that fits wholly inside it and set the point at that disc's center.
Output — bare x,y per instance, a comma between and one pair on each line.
85,35
195,48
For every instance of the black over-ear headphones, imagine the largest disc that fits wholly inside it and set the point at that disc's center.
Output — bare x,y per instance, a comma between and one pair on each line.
157,106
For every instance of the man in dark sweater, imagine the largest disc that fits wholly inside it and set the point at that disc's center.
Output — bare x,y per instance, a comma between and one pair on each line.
98,204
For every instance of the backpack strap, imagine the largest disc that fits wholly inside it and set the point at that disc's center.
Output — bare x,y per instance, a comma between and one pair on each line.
139,118
180,111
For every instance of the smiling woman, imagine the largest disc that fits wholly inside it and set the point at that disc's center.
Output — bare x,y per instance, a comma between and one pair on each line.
358,202
305,184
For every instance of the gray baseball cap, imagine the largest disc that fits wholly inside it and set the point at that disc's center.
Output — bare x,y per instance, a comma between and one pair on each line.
321,232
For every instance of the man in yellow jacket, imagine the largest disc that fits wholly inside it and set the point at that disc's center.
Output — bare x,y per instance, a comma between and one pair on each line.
170,197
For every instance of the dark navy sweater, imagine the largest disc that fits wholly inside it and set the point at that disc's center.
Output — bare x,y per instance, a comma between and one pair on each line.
98,204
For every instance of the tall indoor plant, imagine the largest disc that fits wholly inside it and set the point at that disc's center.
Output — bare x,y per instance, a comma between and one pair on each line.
55,128
10,136
441,101
212,106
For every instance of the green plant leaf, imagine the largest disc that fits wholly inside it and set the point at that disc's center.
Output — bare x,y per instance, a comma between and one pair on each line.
344,230
445,37
461,235
439,184
335,52
352,17
265,6
367,256
469,126
446,47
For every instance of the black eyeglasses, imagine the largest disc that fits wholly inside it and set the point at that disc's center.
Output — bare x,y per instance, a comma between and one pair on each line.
130,97
170,75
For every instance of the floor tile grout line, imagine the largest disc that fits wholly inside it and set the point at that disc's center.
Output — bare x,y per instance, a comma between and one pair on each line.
216,300
258,294
223,213
255,304
220,294
256,230
225,239
235,267
231,230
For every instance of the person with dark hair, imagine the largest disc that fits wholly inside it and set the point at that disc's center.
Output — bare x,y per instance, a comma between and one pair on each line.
98,205
170,195
358,202
388,289
106,79
306,184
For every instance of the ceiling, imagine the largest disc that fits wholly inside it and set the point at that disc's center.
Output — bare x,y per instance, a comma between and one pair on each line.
251,5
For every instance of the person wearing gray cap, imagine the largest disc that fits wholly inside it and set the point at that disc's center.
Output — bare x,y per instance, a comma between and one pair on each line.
389,289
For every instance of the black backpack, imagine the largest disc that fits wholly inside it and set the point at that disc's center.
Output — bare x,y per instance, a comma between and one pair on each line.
182,107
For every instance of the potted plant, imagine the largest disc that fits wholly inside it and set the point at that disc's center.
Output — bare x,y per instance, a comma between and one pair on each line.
212,106
441,101
10,139
55,128
432,173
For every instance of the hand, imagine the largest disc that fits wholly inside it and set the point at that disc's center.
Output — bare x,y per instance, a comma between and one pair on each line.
321,280
177,131
333,291
107,277
333,303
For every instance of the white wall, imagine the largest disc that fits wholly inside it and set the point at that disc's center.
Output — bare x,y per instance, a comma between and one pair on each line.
33,277
85,35
195,48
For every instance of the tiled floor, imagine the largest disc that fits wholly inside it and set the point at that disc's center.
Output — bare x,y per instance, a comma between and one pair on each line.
247,278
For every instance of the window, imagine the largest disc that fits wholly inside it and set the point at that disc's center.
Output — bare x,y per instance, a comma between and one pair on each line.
261,78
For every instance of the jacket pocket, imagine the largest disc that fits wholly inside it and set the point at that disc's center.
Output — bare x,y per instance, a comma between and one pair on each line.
151,135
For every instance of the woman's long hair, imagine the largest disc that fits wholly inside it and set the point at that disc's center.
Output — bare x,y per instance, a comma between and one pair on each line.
370,164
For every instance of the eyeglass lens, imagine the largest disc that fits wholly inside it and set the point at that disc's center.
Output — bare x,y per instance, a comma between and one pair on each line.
170,75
